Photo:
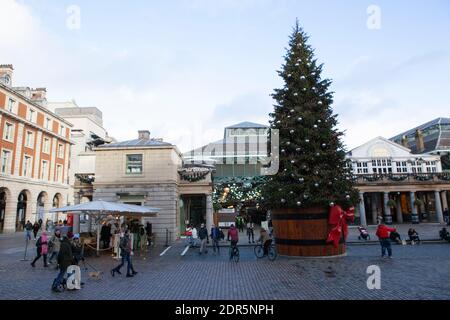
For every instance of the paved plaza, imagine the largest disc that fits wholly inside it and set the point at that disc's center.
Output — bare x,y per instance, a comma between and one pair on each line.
416,272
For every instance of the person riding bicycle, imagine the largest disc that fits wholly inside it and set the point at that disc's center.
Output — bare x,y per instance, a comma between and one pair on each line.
233,234
265,240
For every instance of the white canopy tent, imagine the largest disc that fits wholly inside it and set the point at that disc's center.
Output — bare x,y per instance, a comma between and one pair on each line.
100,209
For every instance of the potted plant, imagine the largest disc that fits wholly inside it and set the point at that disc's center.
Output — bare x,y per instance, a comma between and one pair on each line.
313,174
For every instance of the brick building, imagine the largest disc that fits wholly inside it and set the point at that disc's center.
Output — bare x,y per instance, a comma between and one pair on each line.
34,151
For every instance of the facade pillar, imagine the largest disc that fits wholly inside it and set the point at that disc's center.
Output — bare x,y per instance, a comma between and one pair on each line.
414,215
444,200
437,200
10,213
362,210
209,212
387,209
374,207
399,210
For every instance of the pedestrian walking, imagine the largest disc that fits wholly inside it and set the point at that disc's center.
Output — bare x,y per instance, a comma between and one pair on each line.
125,253
194,236
215,238
55,245
35,230
65,258
41,249
385,241
28,229
233,235
204,239
40,223
250,232
241,224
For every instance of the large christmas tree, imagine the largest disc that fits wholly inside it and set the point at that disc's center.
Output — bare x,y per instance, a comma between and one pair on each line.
313,169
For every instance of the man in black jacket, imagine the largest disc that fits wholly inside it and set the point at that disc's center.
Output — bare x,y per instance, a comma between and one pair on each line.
203,235
65,257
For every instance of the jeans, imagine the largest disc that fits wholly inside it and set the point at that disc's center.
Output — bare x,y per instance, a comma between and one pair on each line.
126,257
215,243
203,246
54,254
251,234
59,278
28,235
386,245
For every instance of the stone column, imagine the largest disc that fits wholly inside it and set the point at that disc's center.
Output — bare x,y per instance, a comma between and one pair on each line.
437,200
444,199
10,213
399,210
387,209
414,216
374,207
362,210
209,212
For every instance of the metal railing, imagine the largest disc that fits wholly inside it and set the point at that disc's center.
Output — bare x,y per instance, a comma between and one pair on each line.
395,178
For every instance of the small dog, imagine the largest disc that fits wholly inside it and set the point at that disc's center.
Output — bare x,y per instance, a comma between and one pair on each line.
97,275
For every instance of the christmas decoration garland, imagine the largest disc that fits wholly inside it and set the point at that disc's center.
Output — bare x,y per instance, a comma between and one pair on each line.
193,175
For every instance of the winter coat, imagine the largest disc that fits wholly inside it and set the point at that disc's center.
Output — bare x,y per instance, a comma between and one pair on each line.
264,236
203,233
383,231
194,233
29,226
233,234
105,233
56,241
65,255
42,244
215,233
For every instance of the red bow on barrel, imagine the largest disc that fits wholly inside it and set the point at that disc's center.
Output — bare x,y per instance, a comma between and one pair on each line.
339,218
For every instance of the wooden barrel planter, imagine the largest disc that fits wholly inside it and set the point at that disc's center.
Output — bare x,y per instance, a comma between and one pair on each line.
303,232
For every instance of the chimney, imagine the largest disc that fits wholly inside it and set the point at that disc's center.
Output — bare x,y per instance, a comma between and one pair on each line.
38,93
420,145
6,73
38,96
405,142
144,134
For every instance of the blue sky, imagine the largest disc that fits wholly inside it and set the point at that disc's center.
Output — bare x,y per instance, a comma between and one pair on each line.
185,69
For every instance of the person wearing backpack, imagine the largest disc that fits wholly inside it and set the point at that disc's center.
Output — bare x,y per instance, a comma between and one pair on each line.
125,253
41,249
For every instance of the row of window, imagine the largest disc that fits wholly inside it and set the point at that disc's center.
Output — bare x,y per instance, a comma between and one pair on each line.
8,135
384,166
32,116
27,167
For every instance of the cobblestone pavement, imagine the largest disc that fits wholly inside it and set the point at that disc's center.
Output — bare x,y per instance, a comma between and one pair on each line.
416,272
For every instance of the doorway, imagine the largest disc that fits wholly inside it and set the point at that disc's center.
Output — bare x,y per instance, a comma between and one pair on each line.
21,211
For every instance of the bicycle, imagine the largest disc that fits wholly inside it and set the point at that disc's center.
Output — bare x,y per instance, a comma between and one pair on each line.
234,253
271,254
